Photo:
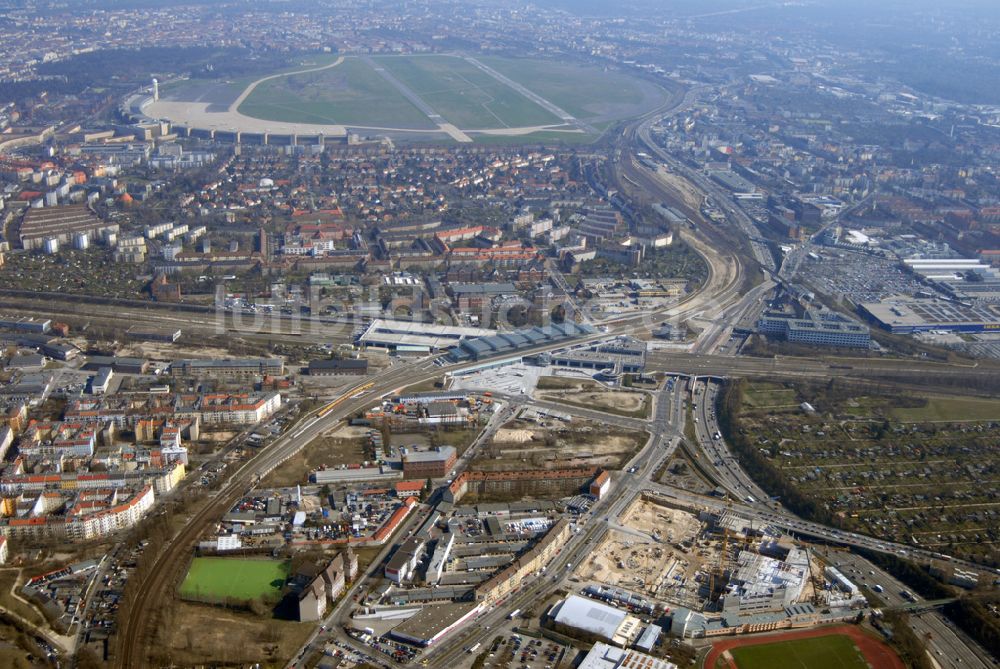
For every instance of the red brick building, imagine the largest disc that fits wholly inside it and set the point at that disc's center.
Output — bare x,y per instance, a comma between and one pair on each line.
429,464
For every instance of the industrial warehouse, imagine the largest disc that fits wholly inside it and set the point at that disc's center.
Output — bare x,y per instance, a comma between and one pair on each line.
912,315
406,336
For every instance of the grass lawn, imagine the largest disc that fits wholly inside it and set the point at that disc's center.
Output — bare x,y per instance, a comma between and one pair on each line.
205,90
542,137
760,395
465,95
827,652
350,94
950,408
690,433
225,92
585,92
354,94
218,577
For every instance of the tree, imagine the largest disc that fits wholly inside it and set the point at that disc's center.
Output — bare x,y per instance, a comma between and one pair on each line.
558,314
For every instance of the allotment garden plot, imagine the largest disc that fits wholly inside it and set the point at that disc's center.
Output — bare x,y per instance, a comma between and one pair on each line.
916,470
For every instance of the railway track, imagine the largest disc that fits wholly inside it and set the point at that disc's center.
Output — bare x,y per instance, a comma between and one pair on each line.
153,591
200,320
164,567
155,588
190,325
722,285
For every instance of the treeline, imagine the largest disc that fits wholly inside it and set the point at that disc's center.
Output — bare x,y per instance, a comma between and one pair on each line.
761,346
97,67
757,465
15,91
979,382
912,649
977,621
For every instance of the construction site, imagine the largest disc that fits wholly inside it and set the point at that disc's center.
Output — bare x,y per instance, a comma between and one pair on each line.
651,552
720,569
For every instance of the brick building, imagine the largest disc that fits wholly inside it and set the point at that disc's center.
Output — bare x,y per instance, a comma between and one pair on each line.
429,464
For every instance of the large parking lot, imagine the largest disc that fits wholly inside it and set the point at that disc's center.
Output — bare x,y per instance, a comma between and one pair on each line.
525,652
860,277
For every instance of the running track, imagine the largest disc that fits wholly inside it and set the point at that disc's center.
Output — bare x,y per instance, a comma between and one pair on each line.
878,654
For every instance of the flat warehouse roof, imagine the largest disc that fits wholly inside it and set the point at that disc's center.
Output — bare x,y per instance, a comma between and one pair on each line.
446,453
598,357
230,362
929,312
482,288
431,620
383,332
346,363
400,340
408,327
519,339
936,262
590,616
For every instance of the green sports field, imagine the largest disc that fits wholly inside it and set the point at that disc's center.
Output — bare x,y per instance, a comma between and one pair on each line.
218,578
825,652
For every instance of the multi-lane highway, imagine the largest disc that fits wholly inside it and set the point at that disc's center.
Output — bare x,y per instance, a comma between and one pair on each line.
949,647
793,525
626,487
719,299
667,419
154,587
635,480
720,461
